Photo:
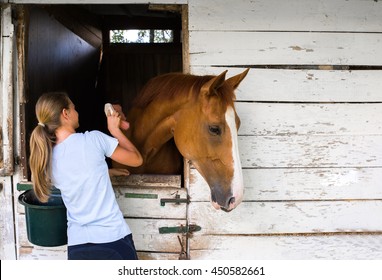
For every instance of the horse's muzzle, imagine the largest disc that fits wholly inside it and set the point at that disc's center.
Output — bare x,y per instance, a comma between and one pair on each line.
225,204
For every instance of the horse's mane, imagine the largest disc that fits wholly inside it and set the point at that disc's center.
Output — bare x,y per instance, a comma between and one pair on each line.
167,86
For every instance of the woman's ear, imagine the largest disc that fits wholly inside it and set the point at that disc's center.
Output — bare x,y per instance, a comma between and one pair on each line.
64,114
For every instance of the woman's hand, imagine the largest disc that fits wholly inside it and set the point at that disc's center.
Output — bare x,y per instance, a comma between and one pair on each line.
124,125
125,153
113,122
117,119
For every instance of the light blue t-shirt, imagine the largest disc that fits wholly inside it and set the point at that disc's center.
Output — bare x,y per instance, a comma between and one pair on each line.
80,172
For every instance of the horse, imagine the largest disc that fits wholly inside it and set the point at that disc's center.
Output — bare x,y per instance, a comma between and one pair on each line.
182,115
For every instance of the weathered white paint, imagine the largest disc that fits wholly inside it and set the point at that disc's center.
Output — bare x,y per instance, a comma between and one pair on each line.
7,214
304,85
43,253
7,237
291,15
6,85
312,172
288,119
148,239
283,48
287,217
291,184
311,151
151,206
292,247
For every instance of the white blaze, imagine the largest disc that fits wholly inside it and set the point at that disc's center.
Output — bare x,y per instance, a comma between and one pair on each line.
237,185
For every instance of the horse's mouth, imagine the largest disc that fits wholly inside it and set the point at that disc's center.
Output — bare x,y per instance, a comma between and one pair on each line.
218,207
226,210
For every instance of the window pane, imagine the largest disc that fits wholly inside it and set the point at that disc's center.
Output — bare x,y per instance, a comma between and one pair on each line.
141,36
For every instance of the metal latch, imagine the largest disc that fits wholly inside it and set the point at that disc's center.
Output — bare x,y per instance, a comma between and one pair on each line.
177,200
180,229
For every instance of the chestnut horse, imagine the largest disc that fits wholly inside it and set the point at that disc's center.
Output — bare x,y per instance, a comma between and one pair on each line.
192,116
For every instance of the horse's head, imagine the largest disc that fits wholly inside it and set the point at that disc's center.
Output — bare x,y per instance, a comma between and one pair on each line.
206,134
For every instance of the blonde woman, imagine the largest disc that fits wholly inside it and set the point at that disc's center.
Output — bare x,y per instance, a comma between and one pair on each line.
75,164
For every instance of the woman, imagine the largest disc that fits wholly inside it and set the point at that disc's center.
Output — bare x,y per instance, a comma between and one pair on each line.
75,164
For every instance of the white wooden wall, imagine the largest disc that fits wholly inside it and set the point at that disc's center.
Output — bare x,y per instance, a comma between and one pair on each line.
310,138
311,135
7,231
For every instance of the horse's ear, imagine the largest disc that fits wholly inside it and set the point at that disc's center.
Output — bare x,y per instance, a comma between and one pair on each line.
213,84
236,80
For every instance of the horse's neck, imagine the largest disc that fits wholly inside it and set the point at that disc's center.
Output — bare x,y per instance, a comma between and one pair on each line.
144,121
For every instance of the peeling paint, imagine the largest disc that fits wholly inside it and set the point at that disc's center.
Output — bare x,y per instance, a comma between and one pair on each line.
298,48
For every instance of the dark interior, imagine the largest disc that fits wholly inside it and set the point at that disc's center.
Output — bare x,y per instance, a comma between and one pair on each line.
68,49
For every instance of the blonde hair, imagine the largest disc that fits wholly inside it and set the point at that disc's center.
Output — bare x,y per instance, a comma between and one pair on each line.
48,110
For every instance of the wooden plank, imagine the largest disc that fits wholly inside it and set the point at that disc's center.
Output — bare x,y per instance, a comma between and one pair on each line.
275,119
288,217
7,49
146,202
294,15
288,184
43,253
311,151
147,180
303,85
7,216
157,256
311,247
284,48
147,238
98,1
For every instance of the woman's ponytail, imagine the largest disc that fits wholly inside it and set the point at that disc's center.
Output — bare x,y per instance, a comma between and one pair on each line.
40,162
43,137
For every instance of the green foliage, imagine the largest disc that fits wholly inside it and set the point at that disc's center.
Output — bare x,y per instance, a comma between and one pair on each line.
141,36
117,36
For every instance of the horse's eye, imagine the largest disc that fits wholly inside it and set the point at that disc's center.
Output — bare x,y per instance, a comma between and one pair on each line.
214,130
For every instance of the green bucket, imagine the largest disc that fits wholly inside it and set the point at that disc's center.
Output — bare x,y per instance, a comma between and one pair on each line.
46,222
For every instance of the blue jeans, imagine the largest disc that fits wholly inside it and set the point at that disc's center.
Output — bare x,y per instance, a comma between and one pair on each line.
122,249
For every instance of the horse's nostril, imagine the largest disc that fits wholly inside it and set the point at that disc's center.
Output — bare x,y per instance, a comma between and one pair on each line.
231,201
228,207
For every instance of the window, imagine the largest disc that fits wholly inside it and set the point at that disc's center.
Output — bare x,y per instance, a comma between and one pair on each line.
142,36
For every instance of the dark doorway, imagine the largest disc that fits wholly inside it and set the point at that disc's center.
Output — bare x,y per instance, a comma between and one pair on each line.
70,48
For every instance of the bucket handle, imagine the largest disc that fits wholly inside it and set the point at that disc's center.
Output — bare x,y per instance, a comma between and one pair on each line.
21,198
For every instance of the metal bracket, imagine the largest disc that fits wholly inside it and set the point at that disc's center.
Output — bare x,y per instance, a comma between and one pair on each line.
177,200
180,229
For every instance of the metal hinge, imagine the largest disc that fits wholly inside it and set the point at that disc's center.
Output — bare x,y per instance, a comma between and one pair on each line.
180,229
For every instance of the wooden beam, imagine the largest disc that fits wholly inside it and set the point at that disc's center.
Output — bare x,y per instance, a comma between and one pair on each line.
79,21
140,22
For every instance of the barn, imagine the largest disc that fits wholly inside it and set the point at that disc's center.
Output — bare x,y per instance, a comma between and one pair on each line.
310,139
